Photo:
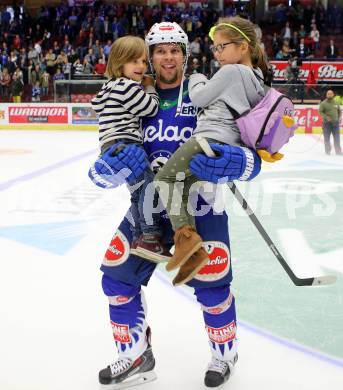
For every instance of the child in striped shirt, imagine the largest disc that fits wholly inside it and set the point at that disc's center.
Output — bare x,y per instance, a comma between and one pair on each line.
120,105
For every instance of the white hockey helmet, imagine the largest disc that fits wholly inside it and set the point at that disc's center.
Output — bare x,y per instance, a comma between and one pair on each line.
167,32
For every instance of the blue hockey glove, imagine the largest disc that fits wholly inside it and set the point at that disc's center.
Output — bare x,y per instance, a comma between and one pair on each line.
111,169
231,163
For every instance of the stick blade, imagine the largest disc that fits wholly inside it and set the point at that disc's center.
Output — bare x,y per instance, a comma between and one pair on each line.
324,280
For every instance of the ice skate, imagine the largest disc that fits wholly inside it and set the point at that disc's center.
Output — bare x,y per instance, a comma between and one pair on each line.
125,372
218,372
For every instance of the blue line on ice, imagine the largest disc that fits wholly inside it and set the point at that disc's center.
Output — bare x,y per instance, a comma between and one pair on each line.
260,332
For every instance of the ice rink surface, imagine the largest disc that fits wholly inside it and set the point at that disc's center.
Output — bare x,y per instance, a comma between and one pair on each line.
54,229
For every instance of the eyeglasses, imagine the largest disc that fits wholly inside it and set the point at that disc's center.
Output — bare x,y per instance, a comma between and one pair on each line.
219,48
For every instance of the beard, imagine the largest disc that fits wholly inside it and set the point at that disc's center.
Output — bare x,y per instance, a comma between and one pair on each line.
168,79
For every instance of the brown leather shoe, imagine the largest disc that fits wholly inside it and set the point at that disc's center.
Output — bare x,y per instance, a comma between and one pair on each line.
191,267
187,241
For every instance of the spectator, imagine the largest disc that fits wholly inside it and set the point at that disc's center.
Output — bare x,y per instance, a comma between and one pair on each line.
206,47
302,32
66,45
100,67
44,83
96,49
13,62
195,48
33,55
107,29
29,69
286,50
58,75
214,66
331,50
315,36
87,67
36,92
294,41
302,50
61,60
22,56
90,57
50,60
205,66
56,48
107,48
77,67
286,32
17,87
16,42
5,84
36,75
19,74
330,111
46,41
99,28
195,66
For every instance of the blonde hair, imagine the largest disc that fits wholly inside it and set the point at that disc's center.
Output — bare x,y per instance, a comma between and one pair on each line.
124,50
245,28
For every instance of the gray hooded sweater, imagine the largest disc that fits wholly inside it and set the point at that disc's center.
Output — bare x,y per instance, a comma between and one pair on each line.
233,85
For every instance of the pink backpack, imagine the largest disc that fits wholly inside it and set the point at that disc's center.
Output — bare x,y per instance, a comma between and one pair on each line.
269,125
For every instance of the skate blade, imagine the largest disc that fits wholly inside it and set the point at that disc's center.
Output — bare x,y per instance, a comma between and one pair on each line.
134,380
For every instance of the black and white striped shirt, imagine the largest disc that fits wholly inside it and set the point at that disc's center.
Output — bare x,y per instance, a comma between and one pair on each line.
119,105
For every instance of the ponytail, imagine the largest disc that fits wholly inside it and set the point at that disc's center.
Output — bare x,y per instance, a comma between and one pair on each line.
258,59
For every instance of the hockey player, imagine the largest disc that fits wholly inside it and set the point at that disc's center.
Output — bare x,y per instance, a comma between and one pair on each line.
125,273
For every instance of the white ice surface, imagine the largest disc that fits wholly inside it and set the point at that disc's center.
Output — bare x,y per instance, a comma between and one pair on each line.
54,327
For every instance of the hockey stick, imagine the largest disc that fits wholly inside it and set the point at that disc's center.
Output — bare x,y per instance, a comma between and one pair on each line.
313,281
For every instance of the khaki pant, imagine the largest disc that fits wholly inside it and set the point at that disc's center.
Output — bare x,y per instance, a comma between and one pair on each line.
173,182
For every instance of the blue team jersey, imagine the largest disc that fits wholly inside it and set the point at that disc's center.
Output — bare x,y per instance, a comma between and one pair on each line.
163,134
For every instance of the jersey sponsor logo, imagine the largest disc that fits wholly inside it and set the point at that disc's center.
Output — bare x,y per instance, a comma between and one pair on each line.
117,300
170,27
158,159
187,109
118,250
219,262
121,332
170,133
219,308
222,335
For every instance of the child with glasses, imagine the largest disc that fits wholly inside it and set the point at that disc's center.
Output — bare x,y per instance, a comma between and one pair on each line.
236,87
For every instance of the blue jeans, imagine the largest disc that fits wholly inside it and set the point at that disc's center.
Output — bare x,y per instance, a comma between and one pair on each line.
328,129
143,199
142,202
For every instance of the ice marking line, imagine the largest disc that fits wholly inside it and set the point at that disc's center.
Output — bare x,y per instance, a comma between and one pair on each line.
253,329
29,176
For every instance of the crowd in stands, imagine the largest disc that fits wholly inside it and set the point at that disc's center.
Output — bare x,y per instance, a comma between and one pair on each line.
69,41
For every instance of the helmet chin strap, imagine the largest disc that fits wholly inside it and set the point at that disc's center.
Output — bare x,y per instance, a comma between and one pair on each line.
179,100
